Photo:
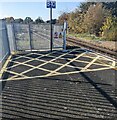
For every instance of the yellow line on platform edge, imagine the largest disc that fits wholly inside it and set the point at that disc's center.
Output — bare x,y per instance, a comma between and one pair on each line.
5,65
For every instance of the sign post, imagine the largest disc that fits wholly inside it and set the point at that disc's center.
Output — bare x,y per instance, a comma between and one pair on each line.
64,36
51,4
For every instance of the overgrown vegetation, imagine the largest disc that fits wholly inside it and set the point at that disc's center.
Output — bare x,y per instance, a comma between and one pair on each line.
93,19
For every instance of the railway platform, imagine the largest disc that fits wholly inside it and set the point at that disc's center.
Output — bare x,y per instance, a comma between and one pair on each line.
56,85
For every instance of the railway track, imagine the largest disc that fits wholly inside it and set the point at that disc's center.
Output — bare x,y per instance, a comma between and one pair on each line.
75,42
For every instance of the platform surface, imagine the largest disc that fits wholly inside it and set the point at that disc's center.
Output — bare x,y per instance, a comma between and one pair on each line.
75,84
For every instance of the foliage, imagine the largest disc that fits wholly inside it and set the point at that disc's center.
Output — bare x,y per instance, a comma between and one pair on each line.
19,20
109,29
62,17
39,20
9,19
54,21
112,6
91,18
94,18
28,20
85,6
85,36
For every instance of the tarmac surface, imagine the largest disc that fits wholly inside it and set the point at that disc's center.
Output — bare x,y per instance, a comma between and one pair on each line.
57,85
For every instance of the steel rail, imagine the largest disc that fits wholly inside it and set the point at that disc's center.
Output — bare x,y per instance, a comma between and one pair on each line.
90,46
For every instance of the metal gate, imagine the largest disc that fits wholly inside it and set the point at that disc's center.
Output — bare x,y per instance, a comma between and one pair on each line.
40,36
22,37
36,36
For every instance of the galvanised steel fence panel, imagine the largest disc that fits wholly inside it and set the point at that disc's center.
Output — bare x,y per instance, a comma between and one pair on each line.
35,36
58,36
4,43
11,37
22,36
40,36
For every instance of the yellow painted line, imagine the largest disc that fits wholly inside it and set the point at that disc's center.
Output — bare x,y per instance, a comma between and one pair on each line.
55,72
87,66
87,62
14,78
115,68
93,63
73,72
114,63
65,64
21,74
30,59
103,63
56,63
59,74
5,65
104,57
47,62
15,73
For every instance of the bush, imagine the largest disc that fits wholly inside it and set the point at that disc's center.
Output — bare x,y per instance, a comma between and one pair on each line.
110,35
109,29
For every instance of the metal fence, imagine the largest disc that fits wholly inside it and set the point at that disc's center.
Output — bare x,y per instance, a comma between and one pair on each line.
20,37
4,43
33,36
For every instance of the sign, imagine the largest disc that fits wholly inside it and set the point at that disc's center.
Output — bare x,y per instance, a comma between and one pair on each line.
56,35
58,31
51,4
60,35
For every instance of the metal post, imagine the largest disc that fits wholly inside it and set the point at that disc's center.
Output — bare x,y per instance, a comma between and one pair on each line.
64,36
14,35
51,34
30,37
64,40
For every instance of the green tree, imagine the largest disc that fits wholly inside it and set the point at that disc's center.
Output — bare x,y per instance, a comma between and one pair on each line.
109,29
62,17
112,6
39,20
9,19
85,6
19,20
28,20
94,18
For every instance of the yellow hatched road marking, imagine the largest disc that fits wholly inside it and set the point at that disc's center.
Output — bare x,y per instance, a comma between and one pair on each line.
65,64
16,73
30,59
87,66
55,73
59,74
5,65
33,67
46,62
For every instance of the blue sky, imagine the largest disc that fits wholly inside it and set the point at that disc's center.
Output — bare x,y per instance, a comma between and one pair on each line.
34,9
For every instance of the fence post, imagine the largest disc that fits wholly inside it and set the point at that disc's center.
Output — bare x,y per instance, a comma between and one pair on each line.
30,37
64,36
14,37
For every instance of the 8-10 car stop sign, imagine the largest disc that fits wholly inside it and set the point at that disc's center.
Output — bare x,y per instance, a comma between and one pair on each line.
51,4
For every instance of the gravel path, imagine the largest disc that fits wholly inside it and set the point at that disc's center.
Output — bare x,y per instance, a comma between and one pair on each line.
111,45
